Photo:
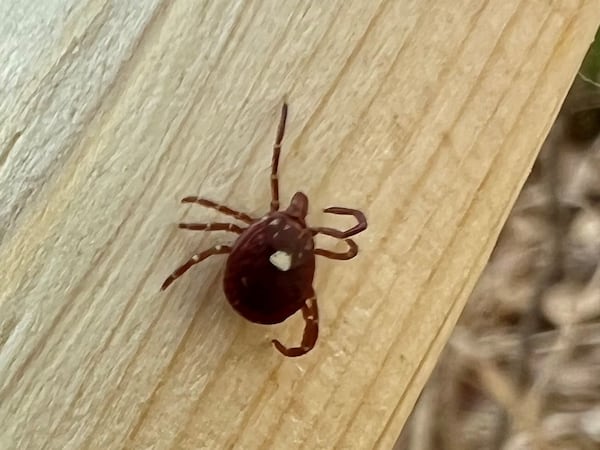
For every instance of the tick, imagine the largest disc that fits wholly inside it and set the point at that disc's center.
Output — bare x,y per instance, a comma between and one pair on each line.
270,268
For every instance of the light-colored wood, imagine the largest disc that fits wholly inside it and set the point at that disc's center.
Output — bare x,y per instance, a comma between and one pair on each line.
425,114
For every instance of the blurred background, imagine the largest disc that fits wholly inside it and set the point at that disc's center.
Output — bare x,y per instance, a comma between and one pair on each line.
522,368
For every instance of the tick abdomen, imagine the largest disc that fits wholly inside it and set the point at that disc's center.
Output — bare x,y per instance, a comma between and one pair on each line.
257,288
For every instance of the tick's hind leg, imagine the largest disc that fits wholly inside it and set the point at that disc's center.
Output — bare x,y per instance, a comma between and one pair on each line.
216,250
310,312
221,208
215,226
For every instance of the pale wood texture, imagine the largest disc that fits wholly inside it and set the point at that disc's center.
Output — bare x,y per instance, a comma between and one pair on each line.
426,114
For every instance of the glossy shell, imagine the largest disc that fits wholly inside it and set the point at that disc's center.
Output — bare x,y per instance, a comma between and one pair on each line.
254,286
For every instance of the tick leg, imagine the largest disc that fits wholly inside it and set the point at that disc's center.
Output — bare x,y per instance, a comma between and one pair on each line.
216,226
216,250
349,254
221,208
310,312
275,160
358,215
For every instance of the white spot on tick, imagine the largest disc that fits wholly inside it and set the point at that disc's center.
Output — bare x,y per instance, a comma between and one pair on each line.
218,248
195,258
282,260
275,222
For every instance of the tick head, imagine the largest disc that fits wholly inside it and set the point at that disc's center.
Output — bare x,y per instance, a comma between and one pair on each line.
290,242
298,207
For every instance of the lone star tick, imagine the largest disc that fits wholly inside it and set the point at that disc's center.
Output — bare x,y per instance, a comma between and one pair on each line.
270,267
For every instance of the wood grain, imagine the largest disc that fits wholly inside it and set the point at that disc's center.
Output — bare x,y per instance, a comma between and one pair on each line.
425,114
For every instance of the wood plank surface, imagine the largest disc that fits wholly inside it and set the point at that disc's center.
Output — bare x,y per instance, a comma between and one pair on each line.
425,114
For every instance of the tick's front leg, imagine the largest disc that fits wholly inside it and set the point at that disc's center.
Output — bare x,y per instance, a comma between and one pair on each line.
310,312
360,226
275,160
221,208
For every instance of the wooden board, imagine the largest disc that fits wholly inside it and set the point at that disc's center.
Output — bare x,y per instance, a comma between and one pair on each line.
425,114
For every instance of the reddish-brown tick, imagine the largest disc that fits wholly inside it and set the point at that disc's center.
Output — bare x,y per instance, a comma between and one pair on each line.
271,265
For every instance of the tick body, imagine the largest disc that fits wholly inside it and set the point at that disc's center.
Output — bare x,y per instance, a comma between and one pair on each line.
270,267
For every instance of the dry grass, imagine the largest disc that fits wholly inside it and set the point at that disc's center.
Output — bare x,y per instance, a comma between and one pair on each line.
522,369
